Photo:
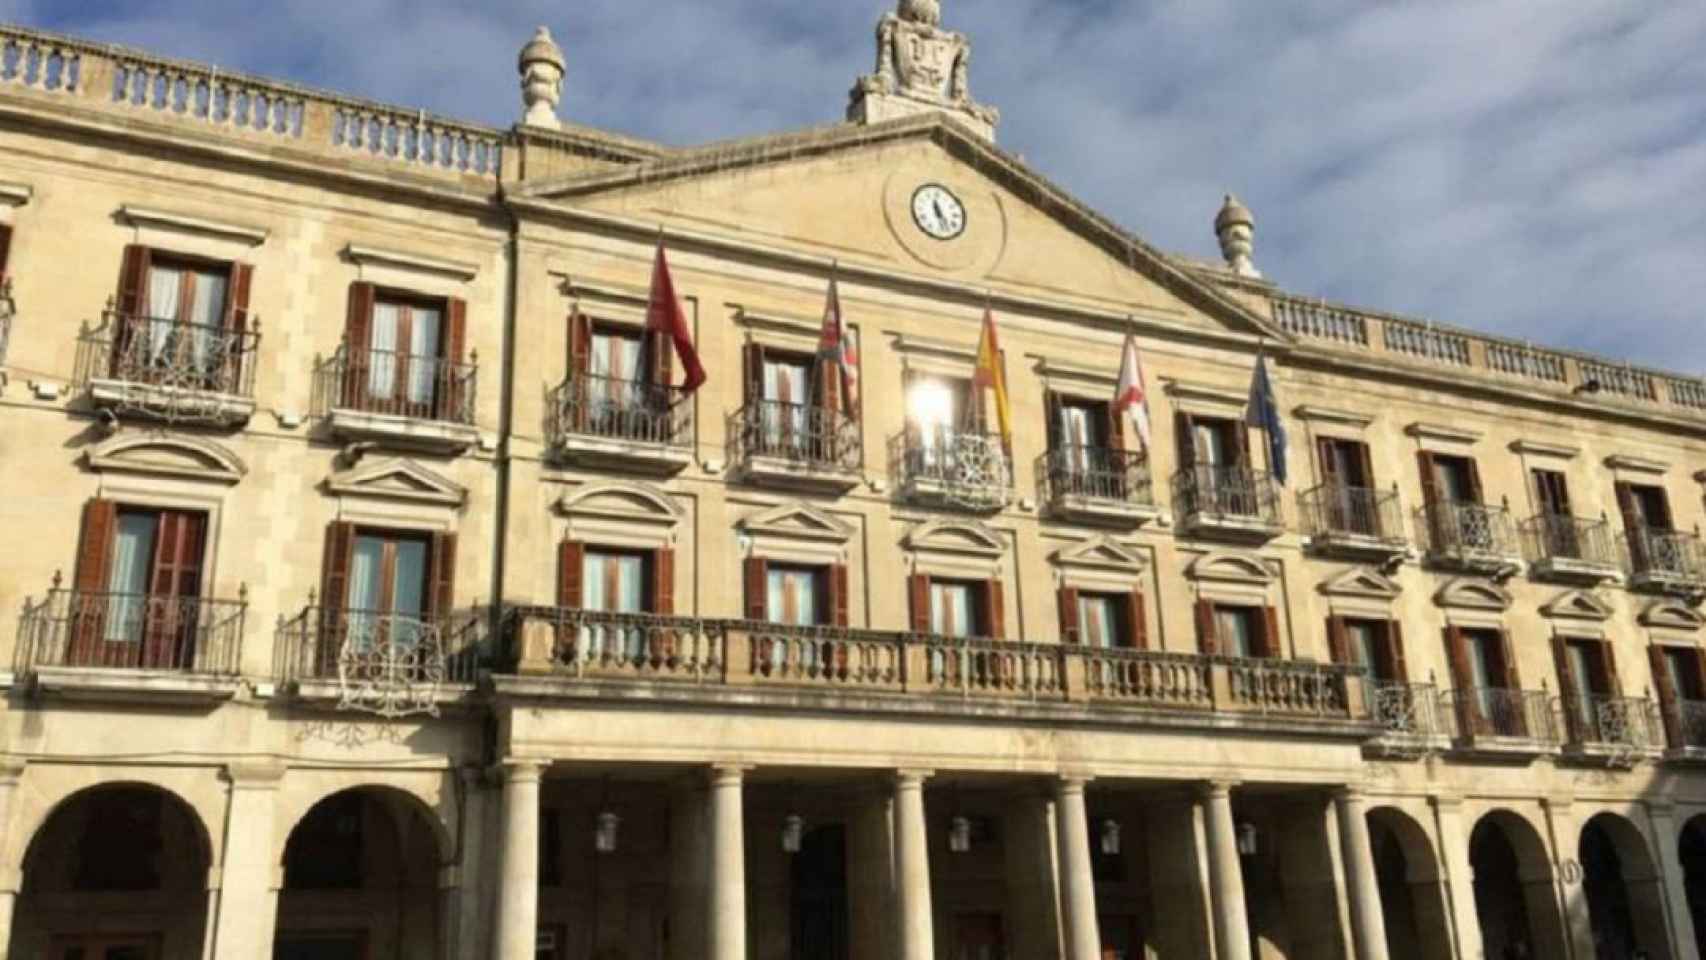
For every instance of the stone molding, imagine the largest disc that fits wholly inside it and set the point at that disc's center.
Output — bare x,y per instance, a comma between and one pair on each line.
364,255
167,455
398,479
188,223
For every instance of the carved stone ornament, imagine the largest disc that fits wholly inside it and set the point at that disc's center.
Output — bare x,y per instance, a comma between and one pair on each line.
920,67
542,68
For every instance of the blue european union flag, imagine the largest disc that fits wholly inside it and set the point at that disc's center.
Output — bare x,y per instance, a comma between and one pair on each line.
1264,412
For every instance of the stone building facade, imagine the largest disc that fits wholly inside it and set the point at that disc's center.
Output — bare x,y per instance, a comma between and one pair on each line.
377,590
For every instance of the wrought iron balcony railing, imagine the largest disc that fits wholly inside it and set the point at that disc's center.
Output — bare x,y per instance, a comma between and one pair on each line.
1096,474
170,355
1406,710
133,631
1239,493
1666,558
624,410
1626,722
380,649
960,467
1685,725
807,435
1495,712
1336,511
1559,539
396,384
1466,532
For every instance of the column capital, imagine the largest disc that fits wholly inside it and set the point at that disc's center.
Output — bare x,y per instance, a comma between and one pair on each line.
1660,807
522,769
1446,802
11,770
1068,784
254,774
1216,789
1350,793
907,778
728,774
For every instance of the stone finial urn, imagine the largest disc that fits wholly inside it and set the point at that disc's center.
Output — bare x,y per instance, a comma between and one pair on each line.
542,70
1235,225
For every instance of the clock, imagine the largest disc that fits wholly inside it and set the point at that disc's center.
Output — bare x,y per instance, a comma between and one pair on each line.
938,212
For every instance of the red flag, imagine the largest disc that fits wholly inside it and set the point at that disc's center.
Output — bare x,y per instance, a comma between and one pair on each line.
1130,397
836,344
664,315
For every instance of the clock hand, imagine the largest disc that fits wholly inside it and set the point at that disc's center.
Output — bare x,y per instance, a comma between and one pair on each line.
939,214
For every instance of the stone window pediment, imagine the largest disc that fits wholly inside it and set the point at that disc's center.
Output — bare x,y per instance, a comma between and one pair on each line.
1670,615
398,479
621,514
956,548
192,458
1577,605
1099,563
1467,593
1362,583
796,532
1226,566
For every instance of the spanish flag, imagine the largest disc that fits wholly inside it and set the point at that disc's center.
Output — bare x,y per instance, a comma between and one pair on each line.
990,375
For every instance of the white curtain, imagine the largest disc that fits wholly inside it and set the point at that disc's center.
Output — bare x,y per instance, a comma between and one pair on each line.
164,288
133,548
365,591
423,353
408,592
382,361
1075,437
950,610
613,583
616,359
1362,644
1096,622
1232,625
793,599
785,388
207,314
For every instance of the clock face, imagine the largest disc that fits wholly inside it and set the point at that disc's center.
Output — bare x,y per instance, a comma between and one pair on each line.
938,212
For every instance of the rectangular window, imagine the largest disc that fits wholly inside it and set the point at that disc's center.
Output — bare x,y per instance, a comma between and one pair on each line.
953,609
1551,493
616,375
185,314
405,351
156,563
787,390
1218,443
388,588
793,596
937,409
1101,622
1344,463
1644,507
1366,639
1455,480
1236,630
1486,659
615,582
1587,669
1685,673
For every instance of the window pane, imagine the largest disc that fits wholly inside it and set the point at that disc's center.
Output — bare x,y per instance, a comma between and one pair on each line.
792,599
1233,627
1096,620
133,551
950,610
1582,667
382,340
164,291
423,351
1363,644
1481,659
408,587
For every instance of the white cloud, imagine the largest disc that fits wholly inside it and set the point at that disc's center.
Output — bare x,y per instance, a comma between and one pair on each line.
1530,167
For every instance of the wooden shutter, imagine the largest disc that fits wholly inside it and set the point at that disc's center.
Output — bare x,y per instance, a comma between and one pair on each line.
1477,494
1669,694
752,356
580,364
840,597
132,299
237,297
1470,718
1271,646
1338,643
1137,624
443,580
1185,437
1608,661
1241,429
663,583
1069,627
1513,682
453,380
826,392
358,341
1207,641
1430,477
1051,416
1574,710
94,558
1324,450
334,594
1629,507
1365,457
994,610
757,589
660,358
918,591
175,574
1395,651
571,574
5,248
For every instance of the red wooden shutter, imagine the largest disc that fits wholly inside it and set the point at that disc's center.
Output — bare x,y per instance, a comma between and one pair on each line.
918,590
5,248
663,582
175,575
994,610
1271,646
237,297
1324,450
1395,651
757,589
1608,659
571,574
1137,623
1242,452
94,557
358,325
1476,493
839,595
1574,709
660,358
1338,645
1207,641
1116,428
580,363
334,594
1668,691
1366,458
1470,718
1051,420
1430,478
453,380
1185,438
132,300
443,597
753,357
1069,628
1513,682
828,392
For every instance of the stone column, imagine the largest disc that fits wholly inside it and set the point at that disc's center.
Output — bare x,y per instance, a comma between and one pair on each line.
1226,874
1667,839
11,874
726,937
916,929
1453,845
1078,883
870,875
249,874
1368,924
518,879
1563,886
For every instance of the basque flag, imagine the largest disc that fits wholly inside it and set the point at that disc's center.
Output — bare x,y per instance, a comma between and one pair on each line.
664,315
1264,412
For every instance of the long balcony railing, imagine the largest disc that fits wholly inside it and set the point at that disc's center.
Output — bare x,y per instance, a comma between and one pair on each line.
961,467
134,631
1685,724
396,384
1462,531
1095,474
1612,722
1561,540
607,408
1237,493
605,648
1667,558
1495,712
381,648
1335,511
805,435
170,355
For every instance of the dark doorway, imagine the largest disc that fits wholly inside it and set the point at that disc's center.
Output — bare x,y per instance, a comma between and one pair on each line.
1499,902
820,895
1693,854
1397,905
1608,899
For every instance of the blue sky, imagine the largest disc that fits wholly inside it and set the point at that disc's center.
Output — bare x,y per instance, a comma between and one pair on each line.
1531,167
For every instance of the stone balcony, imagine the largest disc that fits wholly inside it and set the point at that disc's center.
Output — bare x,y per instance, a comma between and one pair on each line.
1096,485
1498,723
944,467
570,654
1570,549
1471,537
793,446
168,370
603,423
1227,503
1354,522
1671,562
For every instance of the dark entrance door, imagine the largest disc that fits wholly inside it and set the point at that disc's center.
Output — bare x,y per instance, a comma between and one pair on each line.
106,947
820,895
1499,901
1608,899
332,946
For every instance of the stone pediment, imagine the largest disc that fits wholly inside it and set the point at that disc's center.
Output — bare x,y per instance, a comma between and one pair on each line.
1670,615
1228,566
191,458
864,179
1468,593
798,521
621,501
397,479
966,537
1577,605
1103,553
1362,582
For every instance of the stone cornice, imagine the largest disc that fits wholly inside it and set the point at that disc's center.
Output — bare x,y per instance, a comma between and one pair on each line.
364,255
152,216
1347,418
16,194
1443,432
1537,448
1629,463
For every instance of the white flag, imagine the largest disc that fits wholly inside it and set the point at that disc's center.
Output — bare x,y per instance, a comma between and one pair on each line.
1130,397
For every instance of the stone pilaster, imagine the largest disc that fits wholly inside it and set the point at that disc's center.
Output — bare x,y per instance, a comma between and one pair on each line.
1667,837
1453,843
11,874
518,880
249,876
1362,885
1226,874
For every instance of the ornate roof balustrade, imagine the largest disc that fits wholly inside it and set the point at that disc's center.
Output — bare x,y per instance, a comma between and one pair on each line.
558,652
124,81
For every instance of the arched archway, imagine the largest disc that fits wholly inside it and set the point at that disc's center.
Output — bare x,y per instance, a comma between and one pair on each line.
117,870
1691,849
1624,896
361,875
1514,899
1411,899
